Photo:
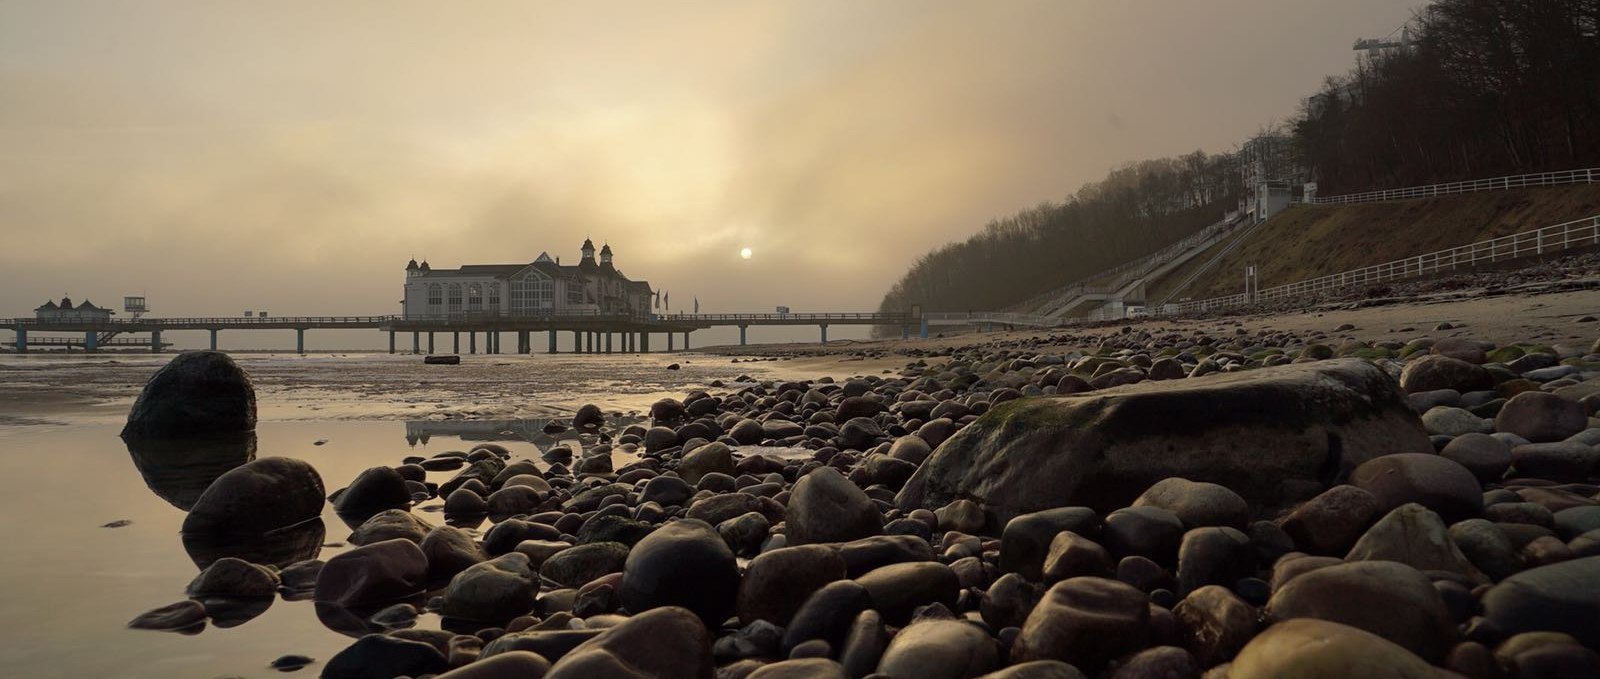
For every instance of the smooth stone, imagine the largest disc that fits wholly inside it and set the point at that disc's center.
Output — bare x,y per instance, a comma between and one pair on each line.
1541,417
377,656
1150,532
508,665
1037,669
1430,480
1448,421
1561,597
1414,536
778,582
1072,555
964,516
682,564
895,590
661,643
1392,600
1026,540
373,491
711,458
258,497
1212,556
824,506
1308,648
1486,547
231,577
800,668
827,614
1485,456
494,591
1559,461
1085,622
184,615
378,573
391,524
1160,662
1434,372
1197,503
939,649
1330,523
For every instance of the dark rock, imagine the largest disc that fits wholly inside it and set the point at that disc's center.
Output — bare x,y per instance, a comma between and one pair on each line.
1026,540
661,643
196,395
494,591
1541,417
684,563
1213,556
258,497
187,616
1442,372
1072,555
826,507
897,589
1150,532
1432,481
578,565
1319,649
1085,622
1197,503
778,582
1560,597
449,551
230,577
1414,536
388,525
939,649
508,665
373,491
1485,456
1331,523
373,574
1160,662
710,458
1215,624
827,614
1267,434
1560,461
1391,600
376,656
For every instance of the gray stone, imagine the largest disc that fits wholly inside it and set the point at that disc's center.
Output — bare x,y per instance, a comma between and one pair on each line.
1542,417
1414,536
1430,480
684,564
1330,523
494,591
778,582
1319,649
1197,503
1450,421
1562,597
1485,456
661,643
231,577
1026,540
826,507
939,649
1392,600
258,497
1085,622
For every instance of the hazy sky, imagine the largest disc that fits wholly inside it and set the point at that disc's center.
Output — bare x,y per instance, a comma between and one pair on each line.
222,156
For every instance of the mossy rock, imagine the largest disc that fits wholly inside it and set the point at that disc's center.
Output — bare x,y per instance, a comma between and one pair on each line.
1319,352
1412,350
1373,353
1506,354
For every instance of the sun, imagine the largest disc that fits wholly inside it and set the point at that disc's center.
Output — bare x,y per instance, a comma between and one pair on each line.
745,253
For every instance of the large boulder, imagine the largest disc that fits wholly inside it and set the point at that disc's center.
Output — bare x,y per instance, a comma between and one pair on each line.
1085,621
374,574
1541,417
493,591
939,649
1271,435
1433,481
198,394
258,497
1434,372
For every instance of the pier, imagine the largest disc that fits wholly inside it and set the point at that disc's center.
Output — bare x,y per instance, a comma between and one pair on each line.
591,332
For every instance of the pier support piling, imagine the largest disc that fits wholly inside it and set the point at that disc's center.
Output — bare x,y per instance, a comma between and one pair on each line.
155,341
91,341
924,332
22,341
391,341
671,341
824,333
416,342
214,333
430,342
299,341
455,339
905,332
686,340
644,341
742,328
472,342
608,341
552,341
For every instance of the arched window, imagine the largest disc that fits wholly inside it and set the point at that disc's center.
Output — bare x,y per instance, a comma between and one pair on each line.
455,298
531,293
435,296
494,296
474,297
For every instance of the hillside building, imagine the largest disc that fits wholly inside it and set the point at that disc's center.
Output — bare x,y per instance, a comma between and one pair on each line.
543,287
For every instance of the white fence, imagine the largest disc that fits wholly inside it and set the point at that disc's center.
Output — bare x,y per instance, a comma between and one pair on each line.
1578,233
985,317
1493,184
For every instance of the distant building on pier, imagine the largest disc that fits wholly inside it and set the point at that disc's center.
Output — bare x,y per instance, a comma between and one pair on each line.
540,288
65,311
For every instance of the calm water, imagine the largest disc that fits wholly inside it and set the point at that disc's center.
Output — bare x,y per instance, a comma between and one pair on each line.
71,585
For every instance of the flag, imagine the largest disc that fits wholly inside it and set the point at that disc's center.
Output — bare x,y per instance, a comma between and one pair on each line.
697,304
658,300
666,299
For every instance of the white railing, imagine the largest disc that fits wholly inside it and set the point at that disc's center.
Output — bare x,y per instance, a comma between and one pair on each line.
1577,233
1493,184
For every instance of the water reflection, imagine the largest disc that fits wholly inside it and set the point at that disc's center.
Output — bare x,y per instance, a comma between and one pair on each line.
228,612
357,622
540,432
178,471
279,548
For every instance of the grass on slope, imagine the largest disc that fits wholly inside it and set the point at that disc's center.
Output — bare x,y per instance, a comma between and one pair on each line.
1306,241
1158,289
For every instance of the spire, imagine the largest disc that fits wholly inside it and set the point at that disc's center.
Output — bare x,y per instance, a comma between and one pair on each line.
411,265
